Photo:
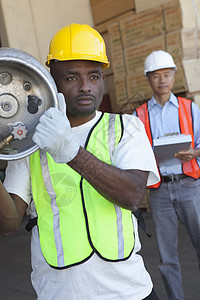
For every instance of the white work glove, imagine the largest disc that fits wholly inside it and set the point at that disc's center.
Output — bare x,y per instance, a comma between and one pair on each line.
54,135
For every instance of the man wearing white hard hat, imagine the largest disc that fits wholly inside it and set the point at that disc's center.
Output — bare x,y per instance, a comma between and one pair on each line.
176,197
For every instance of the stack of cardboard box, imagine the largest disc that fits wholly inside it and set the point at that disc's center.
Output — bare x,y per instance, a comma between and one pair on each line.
132,30
105,12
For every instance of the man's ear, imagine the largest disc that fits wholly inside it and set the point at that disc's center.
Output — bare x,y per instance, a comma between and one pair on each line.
148,81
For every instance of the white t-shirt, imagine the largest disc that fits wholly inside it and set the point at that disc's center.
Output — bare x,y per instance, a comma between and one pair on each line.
96,278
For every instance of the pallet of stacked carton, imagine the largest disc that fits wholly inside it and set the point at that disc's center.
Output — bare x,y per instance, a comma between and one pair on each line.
172,27
128,48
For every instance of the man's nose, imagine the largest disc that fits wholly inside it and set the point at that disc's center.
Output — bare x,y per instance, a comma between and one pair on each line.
84,86
162,78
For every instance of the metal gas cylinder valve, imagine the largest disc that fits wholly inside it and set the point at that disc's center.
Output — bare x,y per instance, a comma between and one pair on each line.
33,103
19,131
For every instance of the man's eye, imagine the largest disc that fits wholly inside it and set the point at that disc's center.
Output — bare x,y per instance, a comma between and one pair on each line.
94,77
71,78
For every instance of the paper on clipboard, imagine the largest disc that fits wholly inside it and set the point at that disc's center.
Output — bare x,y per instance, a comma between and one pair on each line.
165,147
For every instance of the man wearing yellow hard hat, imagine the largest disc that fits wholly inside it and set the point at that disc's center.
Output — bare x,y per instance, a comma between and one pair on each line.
83,184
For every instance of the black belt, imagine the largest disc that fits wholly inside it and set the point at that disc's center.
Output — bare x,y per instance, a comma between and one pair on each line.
173,177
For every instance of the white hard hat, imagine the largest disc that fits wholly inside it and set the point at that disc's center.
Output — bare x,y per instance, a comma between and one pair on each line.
158,60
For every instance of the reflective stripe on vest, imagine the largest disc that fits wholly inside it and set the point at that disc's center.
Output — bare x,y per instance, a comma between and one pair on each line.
56,217
100,226
190,168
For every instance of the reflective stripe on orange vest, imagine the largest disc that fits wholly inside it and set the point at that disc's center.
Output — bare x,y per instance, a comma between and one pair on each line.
190,168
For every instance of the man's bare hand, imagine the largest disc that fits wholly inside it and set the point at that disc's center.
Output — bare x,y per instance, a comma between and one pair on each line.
186,155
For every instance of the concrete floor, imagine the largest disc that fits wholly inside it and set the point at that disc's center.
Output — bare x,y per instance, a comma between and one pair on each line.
15,265
188,261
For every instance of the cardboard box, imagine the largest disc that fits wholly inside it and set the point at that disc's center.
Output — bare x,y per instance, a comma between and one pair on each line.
103,27
136,55
192,74
179,14
117,92
142,26
197,33
129,107
107,9
121,90
192,96
142,5
115,36
118,63
183,44
138,87
108,53
197,99
180,83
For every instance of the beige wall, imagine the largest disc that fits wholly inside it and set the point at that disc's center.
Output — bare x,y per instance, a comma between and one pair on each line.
30,24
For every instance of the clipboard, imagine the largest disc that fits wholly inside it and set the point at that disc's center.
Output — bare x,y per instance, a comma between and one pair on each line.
165,147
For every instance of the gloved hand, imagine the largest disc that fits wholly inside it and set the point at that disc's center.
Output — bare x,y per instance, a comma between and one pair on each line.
53,133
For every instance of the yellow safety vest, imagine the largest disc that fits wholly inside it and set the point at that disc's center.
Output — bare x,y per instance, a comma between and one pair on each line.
74,220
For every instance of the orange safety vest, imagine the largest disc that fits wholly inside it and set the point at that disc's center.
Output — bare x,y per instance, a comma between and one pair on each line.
190,168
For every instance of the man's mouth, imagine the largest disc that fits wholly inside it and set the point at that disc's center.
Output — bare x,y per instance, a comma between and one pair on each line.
85,100
162,86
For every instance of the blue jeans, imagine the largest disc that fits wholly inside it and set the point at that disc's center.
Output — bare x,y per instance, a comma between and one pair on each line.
173,201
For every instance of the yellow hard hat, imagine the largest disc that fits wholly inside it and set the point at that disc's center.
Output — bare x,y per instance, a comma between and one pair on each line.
77,42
